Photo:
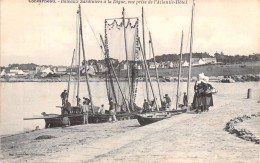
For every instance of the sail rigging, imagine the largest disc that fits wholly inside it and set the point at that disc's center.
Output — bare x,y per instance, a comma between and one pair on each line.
78,66
121,55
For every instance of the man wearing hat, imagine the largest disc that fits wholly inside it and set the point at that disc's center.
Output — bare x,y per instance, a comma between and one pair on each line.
167,100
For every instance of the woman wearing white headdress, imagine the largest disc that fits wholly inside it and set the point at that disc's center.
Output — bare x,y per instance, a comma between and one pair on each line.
203,94
197,99
207,99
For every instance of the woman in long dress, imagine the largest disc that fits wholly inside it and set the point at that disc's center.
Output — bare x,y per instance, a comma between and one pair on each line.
207,99
203,94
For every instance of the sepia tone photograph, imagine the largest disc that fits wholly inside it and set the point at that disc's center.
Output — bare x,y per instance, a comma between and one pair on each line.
136,81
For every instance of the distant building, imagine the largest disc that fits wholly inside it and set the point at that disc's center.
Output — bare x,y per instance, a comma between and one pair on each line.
203,61
209,60
185,64
47,71
3,73
61,69
101,67
152,65
14,70
21,73
167,64
39,69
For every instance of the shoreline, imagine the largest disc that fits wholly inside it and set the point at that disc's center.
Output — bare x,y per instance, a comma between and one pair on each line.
125,141
223,79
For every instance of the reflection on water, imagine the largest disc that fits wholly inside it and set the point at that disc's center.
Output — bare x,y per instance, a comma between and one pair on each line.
23,100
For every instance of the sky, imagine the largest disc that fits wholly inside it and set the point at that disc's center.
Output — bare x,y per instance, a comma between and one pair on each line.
45,34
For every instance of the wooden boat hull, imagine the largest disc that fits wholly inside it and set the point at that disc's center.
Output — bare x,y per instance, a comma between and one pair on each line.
148,118
78,119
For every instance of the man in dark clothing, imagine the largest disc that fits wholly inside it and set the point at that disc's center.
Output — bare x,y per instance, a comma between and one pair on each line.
145,106
168,101
64,97
66,108
185,99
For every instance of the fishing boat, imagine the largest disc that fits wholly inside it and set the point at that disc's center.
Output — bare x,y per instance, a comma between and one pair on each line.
147,118
120,52
75,116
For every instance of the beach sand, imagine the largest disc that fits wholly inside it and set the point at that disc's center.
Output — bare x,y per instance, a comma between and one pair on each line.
183,138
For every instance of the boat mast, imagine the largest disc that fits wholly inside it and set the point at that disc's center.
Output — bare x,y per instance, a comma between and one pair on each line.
85,61
70,73
191,41
179,73
146,76
109,63
157,77
149,78
128,72
78,62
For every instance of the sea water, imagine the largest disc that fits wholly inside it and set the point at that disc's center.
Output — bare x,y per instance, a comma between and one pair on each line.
27,99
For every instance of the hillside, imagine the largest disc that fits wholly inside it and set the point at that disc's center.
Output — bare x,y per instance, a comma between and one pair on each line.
211,70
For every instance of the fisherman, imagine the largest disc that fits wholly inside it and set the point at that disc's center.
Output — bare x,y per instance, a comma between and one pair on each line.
153,104
86,100
85,111
168,101
78,100
101,110
185,99
146,106
112,110
80,106
67,108
64,96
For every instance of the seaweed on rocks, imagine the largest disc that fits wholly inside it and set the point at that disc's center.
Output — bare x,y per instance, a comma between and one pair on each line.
242,133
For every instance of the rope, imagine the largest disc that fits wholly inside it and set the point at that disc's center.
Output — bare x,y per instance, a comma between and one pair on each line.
99,43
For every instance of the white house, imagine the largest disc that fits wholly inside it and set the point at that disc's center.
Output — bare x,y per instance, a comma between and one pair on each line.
185,64
152,65
3,73
209,60
20,72
14,70
47,71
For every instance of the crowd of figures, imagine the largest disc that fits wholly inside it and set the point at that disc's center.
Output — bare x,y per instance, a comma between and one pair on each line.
151,106
81,108
202,99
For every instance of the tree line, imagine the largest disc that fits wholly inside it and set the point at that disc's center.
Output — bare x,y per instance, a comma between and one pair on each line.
220,57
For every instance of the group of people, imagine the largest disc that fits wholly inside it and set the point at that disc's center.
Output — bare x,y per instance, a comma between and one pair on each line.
202,99
82,106
201,102
151,106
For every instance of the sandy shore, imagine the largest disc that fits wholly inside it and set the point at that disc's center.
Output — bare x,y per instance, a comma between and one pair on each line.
185,138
